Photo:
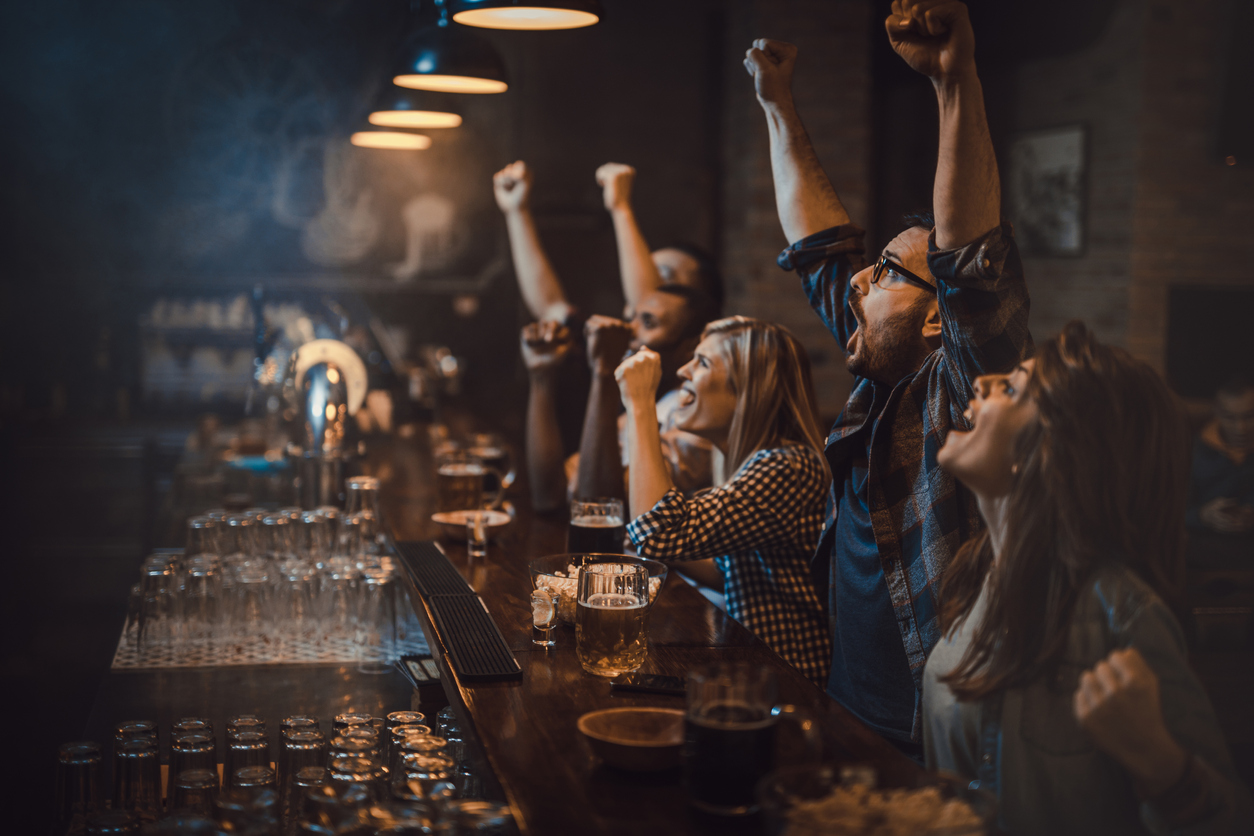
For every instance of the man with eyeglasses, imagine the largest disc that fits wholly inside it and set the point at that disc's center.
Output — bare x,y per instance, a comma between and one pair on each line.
944,303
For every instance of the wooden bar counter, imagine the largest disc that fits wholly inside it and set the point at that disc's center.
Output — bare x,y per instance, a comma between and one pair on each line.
526,729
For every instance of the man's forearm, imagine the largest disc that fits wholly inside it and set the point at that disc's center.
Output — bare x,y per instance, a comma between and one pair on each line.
545,466
600,459
967,194
540,287
804,196
649,478
636,269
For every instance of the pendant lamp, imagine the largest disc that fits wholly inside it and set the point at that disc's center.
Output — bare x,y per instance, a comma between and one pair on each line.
398,108
391,140
449,59
526,14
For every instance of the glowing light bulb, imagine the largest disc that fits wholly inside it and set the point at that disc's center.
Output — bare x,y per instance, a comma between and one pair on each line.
414,119
450,83
392,140
526,17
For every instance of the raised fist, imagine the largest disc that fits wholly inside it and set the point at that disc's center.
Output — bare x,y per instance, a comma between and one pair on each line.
608,340
771,64
545,346
615,180
512,186
933,36
638,377
1118,704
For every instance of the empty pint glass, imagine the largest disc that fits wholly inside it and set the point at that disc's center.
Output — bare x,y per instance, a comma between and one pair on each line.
610,617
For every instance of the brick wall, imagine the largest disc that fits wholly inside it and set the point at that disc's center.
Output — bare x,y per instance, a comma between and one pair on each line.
1193,213
1100,88
1161,210
832,90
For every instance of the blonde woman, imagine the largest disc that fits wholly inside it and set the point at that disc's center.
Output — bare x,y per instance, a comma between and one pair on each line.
747,390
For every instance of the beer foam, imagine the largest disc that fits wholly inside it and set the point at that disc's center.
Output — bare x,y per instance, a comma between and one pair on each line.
612,601
596,521
461,469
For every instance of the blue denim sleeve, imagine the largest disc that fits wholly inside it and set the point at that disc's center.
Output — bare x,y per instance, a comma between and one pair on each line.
984,308
825,261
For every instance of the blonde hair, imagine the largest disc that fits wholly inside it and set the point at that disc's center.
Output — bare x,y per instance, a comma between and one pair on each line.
769,373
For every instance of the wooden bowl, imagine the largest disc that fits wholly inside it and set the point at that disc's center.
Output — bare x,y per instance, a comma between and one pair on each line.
636,739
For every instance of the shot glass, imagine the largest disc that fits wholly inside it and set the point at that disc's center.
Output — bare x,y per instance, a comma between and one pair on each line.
427,776
246,748
78,785
477,534
193,751
304,781
137,778
348,770
544,617
194,791
253,779
244,723
351,718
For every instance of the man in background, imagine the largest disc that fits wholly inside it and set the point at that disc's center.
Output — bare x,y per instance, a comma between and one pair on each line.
1221,496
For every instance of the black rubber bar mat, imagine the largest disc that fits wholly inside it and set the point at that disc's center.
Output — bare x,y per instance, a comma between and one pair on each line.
430,569
476,649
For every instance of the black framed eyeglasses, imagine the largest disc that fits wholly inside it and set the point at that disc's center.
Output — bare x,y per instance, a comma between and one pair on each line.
885,264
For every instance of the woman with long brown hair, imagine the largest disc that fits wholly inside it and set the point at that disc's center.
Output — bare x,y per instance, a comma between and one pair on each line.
1061,680
748,391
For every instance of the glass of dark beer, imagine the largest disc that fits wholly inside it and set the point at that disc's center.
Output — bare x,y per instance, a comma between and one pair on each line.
596,527
729,735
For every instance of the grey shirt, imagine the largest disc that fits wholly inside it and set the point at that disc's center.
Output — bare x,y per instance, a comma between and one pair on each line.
1025,744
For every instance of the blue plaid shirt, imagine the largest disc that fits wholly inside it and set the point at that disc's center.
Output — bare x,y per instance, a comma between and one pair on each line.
920,514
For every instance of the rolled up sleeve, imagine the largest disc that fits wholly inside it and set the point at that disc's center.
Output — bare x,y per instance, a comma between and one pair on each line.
984,307
825,261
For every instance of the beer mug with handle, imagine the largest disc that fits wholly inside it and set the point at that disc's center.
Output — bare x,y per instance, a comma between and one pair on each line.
462,483
729,735
610,615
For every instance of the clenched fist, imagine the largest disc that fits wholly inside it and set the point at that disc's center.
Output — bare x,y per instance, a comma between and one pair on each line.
512,186
608,339
934,37
615,180
771,64
545,346
638,377
1117,703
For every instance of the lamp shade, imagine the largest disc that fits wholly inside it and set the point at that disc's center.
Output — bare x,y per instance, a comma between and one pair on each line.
449,59
391,140
398,108
526,14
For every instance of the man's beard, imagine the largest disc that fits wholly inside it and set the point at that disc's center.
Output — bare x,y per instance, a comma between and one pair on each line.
890,351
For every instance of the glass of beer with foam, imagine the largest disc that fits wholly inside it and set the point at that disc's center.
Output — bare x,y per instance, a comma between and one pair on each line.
610,612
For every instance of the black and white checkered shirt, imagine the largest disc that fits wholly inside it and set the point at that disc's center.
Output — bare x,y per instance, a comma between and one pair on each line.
761,528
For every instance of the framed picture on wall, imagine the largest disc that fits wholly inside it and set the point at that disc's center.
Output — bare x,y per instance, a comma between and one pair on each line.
1046,189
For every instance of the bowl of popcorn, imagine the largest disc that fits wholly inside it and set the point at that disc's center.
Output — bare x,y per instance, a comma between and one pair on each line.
826,800
559,573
